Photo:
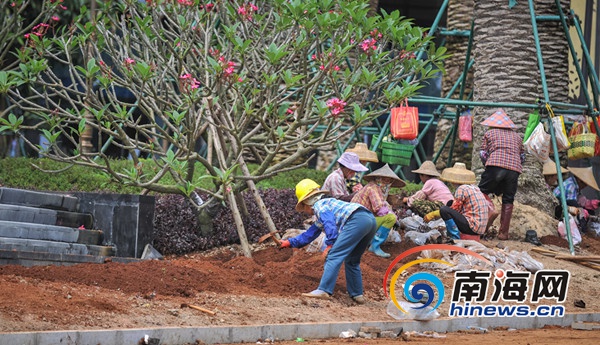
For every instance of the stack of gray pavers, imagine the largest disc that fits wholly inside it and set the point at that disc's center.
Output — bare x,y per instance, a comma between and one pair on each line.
39,228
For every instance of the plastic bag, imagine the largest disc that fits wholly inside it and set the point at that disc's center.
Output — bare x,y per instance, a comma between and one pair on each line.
465,127
420,238
575,235
538,144
405,122
412,223
562,142
532,122
425,314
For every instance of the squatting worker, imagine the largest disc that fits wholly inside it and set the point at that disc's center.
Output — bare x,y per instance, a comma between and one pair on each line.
373,196
349,229
335,183
503,154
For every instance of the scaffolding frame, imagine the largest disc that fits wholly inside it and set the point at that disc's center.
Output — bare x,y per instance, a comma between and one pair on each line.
590,108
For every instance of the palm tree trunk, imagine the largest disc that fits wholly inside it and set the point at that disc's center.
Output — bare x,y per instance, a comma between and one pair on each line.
507,71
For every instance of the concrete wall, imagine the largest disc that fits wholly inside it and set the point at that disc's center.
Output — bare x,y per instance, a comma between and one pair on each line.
127,220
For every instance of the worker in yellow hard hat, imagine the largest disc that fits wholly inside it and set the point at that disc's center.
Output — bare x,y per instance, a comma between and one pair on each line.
349,229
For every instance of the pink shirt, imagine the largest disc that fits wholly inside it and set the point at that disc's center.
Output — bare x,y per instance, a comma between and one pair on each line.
433,190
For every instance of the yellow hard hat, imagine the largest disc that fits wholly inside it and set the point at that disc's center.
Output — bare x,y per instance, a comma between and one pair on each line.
304,187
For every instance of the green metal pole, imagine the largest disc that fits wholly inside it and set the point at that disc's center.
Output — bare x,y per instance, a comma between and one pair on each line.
586,54
538,50
576,60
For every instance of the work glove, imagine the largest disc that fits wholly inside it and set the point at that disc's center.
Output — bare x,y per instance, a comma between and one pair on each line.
383,211
595,203
431,216
326,251
284,244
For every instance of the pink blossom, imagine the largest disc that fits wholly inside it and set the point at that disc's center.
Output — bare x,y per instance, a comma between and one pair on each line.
336,68
129,61
368,44
247,10
13,4
240,80
314,57
336,106
55,18
322,67
290,111
186,2
208,7
188,83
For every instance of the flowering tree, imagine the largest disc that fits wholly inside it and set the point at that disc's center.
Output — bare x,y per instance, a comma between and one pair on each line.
252,80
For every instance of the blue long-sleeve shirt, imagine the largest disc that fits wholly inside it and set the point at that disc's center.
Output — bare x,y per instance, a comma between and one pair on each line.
331,215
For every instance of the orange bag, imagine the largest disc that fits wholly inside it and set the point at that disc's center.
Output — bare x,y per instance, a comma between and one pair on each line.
405,122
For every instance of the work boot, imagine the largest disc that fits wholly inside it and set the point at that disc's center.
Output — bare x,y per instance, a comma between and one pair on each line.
505,216
452,230
493,214
380,237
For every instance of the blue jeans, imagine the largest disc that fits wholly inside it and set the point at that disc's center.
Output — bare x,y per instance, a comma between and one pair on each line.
348,248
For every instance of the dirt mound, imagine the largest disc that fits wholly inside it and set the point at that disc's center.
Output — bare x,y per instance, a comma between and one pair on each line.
525,218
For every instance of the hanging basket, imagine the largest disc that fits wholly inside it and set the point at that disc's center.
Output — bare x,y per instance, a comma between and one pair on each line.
392,152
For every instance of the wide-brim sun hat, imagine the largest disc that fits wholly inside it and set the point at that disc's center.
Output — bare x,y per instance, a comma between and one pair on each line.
458,174
499,119
385,171
549,168
351,161
364,154
586,175
427,168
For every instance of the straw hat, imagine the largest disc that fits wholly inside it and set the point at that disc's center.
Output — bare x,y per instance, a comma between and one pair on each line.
499,119
458,174
351,161
364,154
550,168
427,168
586,175
385,171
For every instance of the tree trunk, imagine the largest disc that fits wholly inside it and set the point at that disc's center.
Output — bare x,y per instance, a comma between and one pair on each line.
460,14
374,7
237,218
507,71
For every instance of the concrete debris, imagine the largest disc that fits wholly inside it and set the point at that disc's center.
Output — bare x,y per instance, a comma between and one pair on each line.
586,326
348,334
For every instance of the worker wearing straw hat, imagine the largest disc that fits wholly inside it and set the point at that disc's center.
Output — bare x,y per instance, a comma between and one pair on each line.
573,185
503,154
364,156
550,175
348,227
335,183
433,189
468,213
373,196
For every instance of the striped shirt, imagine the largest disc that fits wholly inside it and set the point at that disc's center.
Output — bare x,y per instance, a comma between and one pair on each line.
331,216
335,183
371,197
503,148
471,203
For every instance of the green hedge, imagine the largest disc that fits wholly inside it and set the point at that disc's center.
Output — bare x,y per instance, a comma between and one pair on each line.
55,176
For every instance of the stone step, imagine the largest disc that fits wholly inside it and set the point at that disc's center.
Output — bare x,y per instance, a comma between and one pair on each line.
28,214
54,201
49,233
40,246
28,258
